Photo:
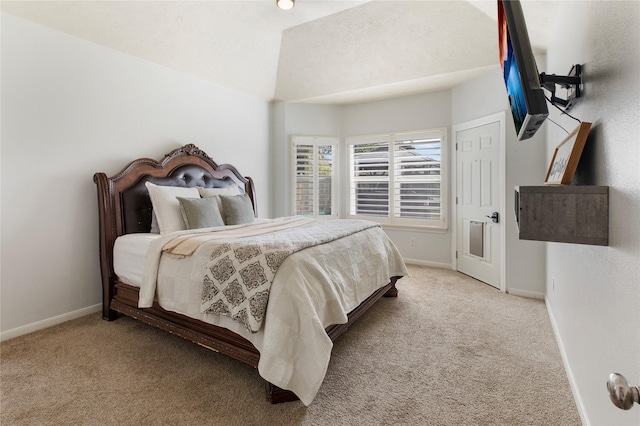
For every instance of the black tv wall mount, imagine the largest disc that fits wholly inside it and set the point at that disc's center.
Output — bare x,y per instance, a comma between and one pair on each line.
572,82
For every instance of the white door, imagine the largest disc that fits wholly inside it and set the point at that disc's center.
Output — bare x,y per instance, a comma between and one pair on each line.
478,198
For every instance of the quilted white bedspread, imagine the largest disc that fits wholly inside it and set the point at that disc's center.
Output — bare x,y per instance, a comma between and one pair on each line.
313,288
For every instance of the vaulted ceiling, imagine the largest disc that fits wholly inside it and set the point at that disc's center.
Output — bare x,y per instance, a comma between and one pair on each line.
326,51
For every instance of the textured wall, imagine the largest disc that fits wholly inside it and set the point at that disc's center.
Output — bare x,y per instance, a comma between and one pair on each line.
594,292
383,43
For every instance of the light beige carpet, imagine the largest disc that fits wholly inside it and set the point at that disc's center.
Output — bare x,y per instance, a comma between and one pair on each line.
448,351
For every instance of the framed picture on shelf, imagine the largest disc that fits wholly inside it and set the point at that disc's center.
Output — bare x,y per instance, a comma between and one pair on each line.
566,156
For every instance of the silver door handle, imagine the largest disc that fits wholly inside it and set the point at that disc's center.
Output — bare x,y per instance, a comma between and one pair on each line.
622,394
495,217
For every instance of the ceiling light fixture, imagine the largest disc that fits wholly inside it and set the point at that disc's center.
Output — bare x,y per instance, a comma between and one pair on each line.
286,4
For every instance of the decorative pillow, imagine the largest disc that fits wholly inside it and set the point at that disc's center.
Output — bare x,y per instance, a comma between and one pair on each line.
200,212
215,192
166,206
237,209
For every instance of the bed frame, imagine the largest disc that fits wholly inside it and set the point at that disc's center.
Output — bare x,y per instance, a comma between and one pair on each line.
124,207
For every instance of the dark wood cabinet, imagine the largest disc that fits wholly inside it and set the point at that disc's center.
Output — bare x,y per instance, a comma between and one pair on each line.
567,214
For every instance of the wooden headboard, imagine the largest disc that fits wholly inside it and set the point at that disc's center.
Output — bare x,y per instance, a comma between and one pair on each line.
124,205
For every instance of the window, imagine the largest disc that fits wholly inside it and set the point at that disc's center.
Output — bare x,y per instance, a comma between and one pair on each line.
314,166
399,179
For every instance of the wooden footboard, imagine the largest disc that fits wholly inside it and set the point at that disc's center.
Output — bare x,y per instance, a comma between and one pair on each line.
210,336
220,339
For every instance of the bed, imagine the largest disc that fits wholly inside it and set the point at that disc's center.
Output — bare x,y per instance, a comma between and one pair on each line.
132,277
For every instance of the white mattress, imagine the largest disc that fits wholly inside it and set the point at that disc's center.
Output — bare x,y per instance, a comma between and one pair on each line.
129,254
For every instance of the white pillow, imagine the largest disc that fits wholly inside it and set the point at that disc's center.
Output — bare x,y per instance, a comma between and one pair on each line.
155,229
167,207
227,190
214,192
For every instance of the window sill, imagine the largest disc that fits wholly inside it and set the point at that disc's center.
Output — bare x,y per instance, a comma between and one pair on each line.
415,228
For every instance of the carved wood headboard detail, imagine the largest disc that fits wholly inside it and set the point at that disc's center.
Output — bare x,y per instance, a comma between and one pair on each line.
124,206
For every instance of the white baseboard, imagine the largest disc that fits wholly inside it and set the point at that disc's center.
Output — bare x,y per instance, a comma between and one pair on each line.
426,263
567,367
526,293
30,328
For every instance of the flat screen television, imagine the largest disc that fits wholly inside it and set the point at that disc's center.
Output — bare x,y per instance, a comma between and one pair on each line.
521,77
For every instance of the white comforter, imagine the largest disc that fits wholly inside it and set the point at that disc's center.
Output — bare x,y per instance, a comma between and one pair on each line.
313,288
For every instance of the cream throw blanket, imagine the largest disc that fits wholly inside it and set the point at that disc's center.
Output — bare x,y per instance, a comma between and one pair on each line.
240,272
186,244
183,244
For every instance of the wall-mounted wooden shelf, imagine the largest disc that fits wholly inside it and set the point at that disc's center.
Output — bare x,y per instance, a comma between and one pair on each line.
566,214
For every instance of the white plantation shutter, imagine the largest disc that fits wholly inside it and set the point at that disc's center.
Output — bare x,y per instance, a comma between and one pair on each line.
397,179
314,168
418,177
369,186
326,153
303,189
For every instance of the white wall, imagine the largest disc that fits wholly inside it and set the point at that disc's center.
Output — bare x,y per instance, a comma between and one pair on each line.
525,165
296,119
416,112
71,108
596,300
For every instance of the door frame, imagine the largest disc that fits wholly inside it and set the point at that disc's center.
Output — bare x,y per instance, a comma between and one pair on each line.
500,118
